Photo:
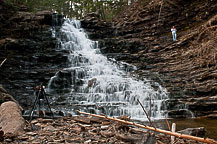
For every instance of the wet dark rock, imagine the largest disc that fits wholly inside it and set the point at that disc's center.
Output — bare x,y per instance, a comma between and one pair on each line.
91,23
60,113
62,80
32,58
49,19
180,113
205,105
199,132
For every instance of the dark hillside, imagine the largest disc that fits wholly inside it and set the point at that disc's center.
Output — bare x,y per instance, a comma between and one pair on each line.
188,66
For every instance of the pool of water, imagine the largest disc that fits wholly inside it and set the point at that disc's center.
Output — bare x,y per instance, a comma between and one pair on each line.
209,124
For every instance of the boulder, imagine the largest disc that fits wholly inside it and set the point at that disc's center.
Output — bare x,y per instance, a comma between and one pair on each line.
11,119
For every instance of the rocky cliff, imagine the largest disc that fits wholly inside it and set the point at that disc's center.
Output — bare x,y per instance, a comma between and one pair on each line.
27,43
141,35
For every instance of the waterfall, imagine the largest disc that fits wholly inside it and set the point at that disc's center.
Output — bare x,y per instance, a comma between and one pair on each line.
54,24
92,83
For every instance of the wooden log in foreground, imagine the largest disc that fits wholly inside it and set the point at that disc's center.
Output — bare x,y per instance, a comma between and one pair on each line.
179,135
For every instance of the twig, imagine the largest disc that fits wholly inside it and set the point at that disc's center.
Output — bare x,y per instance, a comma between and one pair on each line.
145,113
150,108
3,62
179,135
167,121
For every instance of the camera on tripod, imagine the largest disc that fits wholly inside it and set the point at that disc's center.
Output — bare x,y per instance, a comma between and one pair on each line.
40,100
40,91
41,87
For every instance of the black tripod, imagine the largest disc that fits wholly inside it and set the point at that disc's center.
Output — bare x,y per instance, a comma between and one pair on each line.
41,92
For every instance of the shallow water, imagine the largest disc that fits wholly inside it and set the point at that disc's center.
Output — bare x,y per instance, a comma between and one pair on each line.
209,124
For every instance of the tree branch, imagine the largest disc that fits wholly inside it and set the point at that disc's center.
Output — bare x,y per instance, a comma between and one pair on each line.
179,135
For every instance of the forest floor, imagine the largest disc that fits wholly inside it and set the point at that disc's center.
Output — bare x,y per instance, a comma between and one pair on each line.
86,130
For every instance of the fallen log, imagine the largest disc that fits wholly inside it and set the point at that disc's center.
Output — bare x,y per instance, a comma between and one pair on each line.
179,135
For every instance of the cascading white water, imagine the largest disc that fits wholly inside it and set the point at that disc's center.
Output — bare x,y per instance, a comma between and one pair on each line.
104,87
54,24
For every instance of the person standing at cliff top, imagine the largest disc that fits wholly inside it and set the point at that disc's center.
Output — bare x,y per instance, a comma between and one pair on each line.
173,30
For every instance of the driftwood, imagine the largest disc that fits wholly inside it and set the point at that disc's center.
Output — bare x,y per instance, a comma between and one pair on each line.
179,135
167,122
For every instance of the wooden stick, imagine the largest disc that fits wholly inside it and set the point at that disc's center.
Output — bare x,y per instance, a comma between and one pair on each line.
150,108
173,130
167,121
3,62
145,112
179,135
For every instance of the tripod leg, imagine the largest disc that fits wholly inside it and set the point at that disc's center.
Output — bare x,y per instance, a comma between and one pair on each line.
48,105
30,115
39,105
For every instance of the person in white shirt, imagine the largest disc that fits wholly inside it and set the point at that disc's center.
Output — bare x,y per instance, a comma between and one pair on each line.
173,30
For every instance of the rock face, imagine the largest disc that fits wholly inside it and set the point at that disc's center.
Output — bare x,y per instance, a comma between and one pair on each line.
141,36
4,96
11,120
32,58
